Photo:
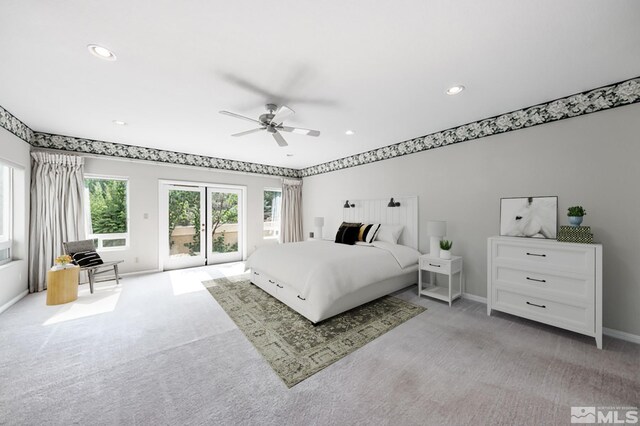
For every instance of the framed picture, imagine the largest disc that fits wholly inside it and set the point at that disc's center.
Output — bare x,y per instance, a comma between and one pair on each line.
534,217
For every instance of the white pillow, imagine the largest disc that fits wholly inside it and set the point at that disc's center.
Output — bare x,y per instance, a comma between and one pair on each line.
389,233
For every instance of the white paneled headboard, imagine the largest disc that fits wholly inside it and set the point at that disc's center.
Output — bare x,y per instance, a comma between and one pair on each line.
376,211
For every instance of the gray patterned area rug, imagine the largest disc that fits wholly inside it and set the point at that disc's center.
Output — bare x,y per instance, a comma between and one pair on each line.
293,347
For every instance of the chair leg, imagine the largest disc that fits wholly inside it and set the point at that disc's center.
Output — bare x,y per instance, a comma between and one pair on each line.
90,273
115,269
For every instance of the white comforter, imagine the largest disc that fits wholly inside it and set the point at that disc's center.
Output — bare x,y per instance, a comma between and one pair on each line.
331,269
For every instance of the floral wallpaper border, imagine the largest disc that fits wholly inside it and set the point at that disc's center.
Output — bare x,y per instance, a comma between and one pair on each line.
89,146
619,94
9,122
615,95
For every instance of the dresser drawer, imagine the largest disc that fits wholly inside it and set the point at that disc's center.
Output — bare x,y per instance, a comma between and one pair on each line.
562,284
435,265
553,312
566,258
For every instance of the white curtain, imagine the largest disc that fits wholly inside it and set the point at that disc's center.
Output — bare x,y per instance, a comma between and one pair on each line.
291,223
57,211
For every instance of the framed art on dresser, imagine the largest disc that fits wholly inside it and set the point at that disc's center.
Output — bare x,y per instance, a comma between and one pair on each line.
533,217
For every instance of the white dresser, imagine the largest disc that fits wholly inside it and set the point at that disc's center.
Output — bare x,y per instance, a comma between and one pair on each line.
552,282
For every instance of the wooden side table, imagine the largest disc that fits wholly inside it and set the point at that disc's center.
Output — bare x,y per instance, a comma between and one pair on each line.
436,265
62,285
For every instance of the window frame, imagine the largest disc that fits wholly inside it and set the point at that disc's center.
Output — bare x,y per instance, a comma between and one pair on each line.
277,236
6,234
115,236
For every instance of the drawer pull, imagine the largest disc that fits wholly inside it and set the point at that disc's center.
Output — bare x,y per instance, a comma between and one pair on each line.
533,304
301,298
272,282
255,273
279,286
534,279
536,254
437,266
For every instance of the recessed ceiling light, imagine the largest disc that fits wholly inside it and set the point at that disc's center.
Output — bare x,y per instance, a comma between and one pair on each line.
119,122
349,132
101,52
454,90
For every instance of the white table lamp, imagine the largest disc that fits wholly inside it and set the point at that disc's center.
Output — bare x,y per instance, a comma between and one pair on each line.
436,229
318,222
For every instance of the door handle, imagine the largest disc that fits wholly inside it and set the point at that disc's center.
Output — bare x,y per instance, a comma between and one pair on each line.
279,286
437,266
533,279
538,306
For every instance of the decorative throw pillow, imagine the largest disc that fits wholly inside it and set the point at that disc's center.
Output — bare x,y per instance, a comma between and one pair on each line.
87,258
389,233
348,233
367,232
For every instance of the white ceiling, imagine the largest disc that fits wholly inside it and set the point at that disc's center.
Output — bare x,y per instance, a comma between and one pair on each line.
377,67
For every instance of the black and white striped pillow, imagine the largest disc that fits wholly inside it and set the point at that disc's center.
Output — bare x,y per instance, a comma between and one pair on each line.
348,233
368,232
87,258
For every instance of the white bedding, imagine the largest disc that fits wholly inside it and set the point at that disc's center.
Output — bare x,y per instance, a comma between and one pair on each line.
328,270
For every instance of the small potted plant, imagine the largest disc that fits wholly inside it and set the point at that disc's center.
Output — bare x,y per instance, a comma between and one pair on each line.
445,249
575,215
62,262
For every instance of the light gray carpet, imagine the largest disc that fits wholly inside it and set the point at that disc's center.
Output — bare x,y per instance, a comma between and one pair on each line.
168,354
295,348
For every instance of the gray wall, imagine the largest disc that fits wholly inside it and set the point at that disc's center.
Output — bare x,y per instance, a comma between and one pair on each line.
13,276
144,194
591,160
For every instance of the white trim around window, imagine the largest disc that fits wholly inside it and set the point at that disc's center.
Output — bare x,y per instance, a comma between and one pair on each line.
102,239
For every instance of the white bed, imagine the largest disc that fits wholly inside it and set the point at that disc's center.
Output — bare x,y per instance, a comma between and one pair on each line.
320,279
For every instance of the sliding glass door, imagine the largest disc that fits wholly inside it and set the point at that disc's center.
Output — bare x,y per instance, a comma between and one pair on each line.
200,225
224,225
184,226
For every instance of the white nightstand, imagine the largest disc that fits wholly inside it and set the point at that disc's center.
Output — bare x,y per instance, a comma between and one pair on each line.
435,265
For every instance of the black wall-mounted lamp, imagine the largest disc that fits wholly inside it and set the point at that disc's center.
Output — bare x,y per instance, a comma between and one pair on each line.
347,205
393,203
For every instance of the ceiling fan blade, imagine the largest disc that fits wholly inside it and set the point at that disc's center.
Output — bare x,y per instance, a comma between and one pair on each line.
242,117
248,132
282,113
278,137
299,131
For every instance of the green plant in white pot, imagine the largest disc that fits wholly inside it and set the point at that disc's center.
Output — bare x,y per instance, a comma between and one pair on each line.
445,249
575,214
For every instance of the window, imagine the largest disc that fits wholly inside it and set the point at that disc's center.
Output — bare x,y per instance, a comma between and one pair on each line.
272,208
6,209
107,213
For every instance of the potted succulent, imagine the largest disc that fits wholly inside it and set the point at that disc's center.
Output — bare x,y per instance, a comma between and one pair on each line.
445,249
575,215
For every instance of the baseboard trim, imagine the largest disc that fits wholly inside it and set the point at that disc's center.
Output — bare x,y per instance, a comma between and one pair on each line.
622,335
13,301
474,298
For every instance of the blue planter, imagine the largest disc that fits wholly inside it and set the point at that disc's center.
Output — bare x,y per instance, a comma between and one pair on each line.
575,220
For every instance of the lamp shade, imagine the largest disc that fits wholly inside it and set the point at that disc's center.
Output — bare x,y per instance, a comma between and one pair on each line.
437,228
318,221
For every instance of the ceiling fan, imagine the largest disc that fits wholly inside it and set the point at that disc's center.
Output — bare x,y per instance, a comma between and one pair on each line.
272,123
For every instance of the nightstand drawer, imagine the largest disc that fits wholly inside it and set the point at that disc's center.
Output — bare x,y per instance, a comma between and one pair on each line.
436,265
